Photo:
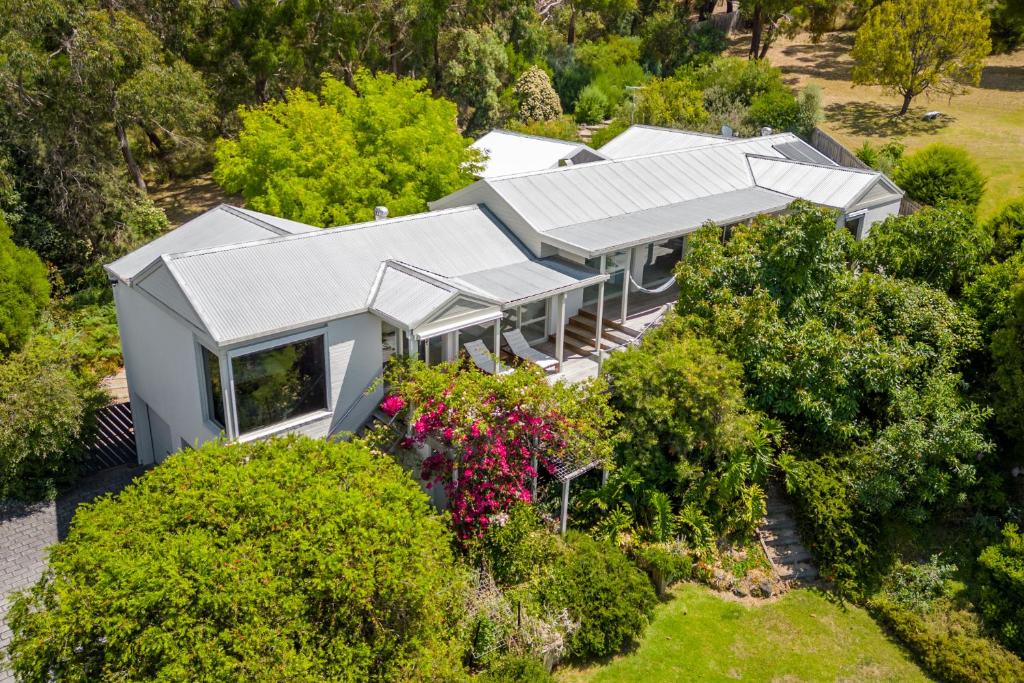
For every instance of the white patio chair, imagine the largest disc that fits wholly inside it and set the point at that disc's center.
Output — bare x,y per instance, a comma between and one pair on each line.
522,349
482,357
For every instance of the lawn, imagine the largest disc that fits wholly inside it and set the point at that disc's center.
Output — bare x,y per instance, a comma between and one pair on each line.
988,121
698,636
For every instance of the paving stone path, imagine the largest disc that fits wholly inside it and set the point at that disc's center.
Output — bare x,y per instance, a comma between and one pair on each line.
26,531
792,561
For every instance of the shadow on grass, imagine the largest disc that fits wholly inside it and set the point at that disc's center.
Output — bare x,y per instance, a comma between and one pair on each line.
1008,78
828,60
871,119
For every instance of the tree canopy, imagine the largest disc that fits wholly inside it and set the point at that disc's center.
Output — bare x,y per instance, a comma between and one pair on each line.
330,159
24,291
915,46
282,559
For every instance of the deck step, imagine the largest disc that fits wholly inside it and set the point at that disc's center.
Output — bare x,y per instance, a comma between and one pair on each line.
591,318
586,327
586,337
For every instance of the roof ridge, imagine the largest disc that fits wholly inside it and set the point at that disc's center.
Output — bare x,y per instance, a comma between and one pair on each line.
290,237
835,167
238,212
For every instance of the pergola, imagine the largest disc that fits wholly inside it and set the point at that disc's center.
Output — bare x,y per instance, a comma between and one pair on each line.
564,472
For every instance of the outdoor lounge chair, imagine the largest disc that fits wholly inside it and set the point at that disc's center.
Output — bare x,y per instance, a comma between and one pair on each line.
521,348
482,357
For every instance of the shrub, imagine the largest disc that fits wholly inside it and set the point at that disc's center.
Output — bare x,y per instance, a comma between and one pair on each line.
665,564
47,416
516,669
610,598
562,128
283,559
776,109
1007,347
1002,587
24,291
538,100
672,102
591,105
940,174
516,546
943,247
917,586
603,136
952,649
1007,230
883,158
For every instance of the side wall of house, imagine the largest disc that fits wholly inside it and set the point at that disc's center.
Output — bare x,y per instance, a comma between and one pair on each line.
163,377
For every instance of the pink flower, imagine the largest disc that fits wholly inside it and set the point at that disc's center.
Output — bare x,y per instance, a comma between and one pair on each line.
392,404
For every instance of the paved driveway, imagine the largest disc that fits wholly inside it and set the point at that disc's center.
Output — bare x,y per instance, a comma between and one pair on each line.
26,531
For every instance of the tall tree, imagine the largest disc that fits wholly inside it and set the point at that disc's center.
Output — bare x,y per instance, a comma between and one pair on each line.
915,46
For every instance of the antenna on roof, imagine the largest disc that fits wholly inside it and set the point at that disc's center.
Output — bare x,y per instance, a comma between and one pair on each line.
380,213
766,131
727,131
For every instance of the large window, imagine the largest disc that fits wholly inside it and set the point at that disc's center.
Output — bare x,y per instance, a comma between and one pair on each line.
214,390
280,383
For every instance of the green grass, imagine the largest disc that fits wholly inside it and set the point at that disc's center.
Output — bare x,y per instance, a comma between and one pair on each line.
698,636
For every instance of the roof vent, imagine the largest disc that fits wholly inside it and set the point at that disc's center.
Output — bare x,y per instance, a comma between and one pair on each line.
766,131
380,213
727,131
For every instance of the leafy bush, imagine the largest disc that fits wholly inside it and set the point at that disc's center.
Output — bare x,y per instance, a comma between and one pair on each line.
562,128
776,109
47,417
916,586
603,136
670,42
516,669
538,100
610,598
591,105
24,291
943,247
940,174
1002,587
1007,230
517,547
1007,348
391,145
665,563
951,649
671,102
287,559
883,158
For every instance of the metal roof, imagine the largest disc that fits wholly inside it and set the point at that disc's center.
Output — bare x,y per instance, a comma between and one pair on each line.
219,226
405,298
509,152
801,151
828,185
631,229
520,282
640,140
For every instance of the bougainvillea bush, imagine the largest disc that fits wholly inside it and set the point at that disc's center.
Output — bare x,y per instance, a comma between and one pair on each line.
486,432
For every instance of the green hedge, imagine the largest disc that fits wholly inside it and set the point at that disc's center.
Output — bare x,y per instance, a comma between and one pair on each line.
290,559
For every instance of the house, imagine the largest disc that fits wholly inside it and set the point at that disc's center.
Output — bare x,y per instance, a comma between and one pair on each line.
508,152
247,325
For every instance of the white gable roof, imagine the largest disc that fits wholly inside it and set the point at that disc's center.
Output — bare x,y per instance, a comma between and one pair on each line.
826,185
221,225
641,140
510,152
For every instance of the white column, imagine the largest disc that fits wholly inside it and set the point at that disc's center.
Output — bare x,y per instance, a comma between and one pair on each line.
497,346
625,284
599,326
399,342
426,351
565,506
533,482
560,331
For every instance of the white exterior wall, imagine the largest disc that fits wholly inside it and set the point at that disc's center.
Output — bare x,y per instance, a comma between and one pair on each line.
163,373
879,214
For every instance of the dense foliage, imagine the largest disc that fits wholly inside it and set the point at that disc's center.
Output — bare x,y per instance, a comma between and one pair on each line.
861,368
1002,592
1007,229
496,432
289,558
610,598
916,46
47,417
940,174
24,291
390,145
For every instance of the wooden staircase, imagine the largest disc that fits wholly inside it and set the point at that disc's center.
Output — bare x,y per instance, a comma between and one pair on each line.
581,330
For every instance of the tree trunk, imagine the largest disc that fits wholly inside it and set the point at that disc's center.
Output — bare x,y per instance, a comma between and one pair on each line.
906,104
126,151
261,90
158,145
766,44
571,38
755,34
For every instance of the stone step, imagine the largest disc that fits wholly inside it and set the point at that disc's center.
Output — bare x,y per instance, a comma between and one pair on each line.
798,572
788,537
792,556
778,524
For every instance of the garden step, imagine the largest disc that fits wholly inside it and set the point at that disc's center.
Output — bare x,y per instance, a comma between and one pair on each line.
788,537
793,556
779,524
801,571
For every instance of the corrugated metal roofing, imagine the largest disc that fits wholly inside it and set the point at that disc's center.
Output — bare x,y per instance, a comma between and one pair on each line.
828,185
408,299
219,226
801,151
641,140
509,152
528,279
618,232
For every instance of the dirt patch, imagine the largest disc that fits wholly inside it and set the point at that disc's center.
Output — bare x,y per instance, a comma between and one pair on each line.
182,200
